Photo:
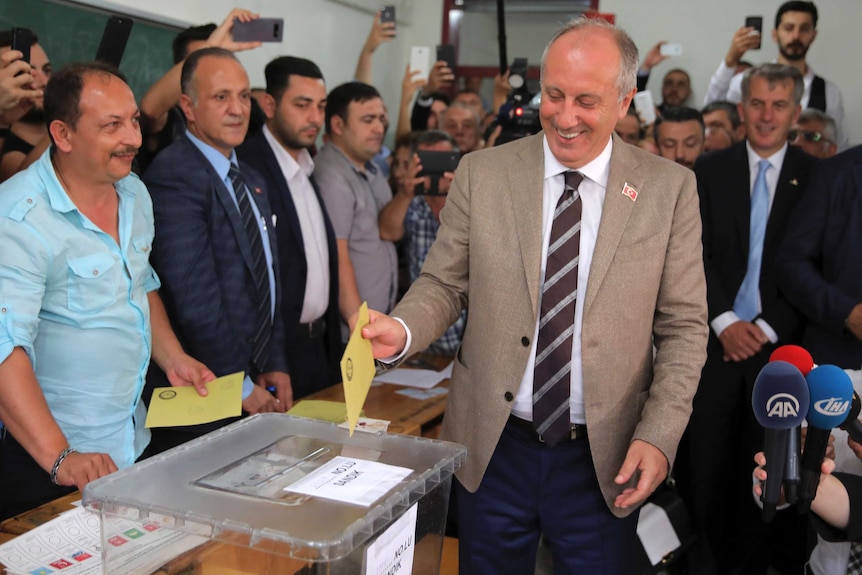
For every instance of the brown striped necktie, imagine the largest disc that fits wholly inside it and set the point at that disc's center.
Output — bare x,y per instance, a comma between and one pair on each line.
552,374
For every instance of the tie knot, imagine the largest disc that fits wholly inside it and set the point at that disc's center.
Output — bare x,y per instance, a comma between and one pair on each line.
762,166
573,179
233,173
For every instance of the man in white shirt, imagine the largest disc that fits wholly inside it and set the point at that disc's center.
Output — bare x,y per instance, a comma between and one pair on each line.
795,31
294,105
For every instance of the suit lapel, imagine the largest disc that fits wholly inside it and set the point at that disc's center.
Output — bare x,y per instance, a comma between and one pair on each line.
787,191
738,195
526,189
276,175
616,211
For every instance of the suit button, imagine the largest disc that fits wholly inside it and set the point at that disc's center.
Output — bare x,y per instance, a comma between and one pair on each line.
508,395
525,341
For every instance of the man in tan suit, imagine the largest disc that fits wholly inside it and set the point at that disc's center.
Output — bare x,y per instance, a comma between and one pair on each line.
638,263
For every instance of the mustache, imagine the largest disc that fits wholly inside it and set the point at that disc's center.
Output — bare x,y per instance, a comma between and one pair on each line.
128,150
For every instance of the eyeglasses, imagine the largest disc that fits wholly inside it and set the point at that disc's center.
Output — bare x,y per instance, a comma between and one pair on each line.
807,135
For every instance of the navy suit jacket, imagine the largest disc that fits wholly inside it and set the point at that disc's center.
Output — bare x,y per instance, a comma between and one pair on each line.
820,262
724,185
258,154
203,258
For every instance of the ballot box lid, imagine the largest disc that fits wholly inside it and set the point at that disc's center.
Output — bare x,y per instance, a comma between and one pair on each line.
242,484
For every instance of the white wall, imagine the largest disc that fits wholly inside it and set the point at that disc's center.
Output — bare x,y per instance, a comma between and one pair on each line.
329,33
332,32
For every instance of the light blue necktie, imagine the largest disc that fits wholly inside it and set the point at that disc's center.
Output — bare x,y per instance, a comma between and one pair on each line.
746,302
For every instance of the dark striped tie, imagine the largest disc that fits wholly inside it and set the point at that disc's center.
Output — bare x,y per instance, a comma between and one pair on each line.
557,318
259,272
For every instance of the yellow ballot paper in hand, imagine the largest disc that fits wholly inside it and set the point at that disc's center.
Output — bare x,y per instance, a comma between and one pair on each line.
357,369
178,406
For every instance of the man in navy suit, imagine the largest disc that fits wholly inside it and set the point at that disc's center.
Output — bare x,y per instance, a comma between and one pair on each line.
295,105
747,193
215,249
820,262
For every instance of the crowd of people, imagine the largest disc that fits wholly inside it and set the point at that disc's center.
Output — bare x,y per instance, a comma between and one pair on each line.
598,349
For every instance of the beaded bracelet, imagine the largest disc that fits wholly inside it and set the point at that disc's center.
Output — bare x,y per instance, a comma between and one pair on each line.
60,459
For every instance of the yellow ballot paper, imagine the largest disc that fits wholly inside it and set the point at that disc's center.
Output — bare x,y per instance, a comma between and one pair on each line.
334,411
357,369
177,406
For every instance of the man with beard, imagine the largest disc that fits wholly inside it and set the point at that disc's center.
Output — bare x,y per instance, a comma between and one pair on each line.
355,190
294,104
679,133
675,89
795,30
29,131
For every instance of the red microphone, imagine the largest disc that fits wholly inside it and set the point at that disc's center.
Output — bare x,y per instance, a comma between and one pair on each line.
795,355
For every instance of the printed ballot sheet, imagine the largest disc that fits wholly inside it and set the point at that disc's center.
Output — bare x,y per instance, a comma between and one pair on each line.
71,544
349,480
418,378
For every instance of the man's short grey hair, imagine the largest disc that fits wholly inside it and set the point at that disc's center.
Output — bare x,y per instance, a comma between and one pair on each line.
190,67
463,106
830,130
774,74
627,77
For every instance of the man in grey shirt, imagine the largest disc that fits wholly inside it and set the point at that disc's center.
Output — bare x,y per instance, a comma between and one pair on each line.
354,192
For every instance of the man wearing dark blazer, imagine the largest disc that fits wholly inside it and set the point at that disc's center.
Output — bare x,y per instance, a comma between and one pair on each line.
746,192
215,249
294,105
820,262
639,283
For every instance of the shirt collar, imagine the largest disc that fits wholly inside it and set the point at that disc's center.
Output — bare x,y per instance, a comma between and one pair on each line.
219,163
290,166
596,170
776,160
370,166
57,196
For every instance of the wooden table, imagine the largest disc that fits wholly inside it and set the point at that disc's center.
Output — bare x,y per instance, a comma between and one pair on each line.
407,415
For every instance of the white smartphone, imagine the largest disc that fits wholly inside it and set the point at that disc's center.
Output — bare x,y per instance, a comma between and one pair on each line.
645,107
671,49
420,61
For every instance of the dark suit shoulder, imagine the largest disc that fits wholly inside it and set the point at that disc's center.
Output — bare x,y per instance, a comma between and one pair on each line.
175,160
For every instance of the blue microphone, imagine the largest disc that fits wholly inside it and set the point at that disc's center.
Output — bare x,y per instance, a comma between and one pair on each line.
831,393
780,401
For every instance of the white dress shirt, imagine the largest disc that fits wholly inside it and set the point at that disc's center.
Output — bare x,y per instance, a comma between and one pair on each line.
592,192
776,160
312,226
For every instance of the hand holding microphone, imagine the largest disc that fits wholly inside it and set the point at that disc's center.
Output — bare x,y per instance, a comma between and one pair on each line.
780,401
831,395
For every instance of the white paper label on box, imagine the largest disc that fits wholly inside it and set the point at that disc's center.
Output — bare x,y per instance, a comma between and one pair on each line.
656,533
392,553
349,480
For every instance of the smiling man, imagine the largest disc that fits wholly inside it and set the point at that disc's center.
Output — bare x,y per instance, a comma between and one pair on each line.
747,194
794,33
354,191
216,248
80,317
577,253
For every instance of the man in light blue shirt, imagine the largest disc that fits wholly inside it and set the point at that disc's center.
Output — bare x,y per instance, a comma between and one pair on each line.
80,316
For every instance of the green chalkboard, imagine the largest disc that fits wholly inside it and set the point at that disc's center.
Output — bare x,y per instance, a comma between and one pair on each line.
71,33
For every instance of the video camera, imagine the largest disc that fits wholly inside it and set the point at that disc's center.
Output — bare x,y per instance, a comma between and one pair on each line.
519,116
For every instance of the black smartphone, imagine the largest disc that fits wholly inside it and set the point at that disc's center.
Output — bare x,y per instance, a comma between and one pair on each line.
387,14
114,40
22,39
435,164
260,30
446,53
755,22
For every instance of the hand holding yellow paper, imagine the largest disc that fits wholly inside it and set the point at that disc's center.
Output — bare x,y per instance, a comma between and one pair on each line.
357,369
177,406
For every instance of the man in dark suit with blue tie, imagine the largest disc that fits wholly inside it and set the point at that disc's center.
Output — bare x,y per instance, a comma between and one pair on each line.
747,193
295,105
215,249
820,262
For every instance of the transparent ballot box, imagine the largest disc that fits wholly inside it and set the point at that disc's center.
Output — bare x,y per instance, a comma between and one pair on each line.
283,495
